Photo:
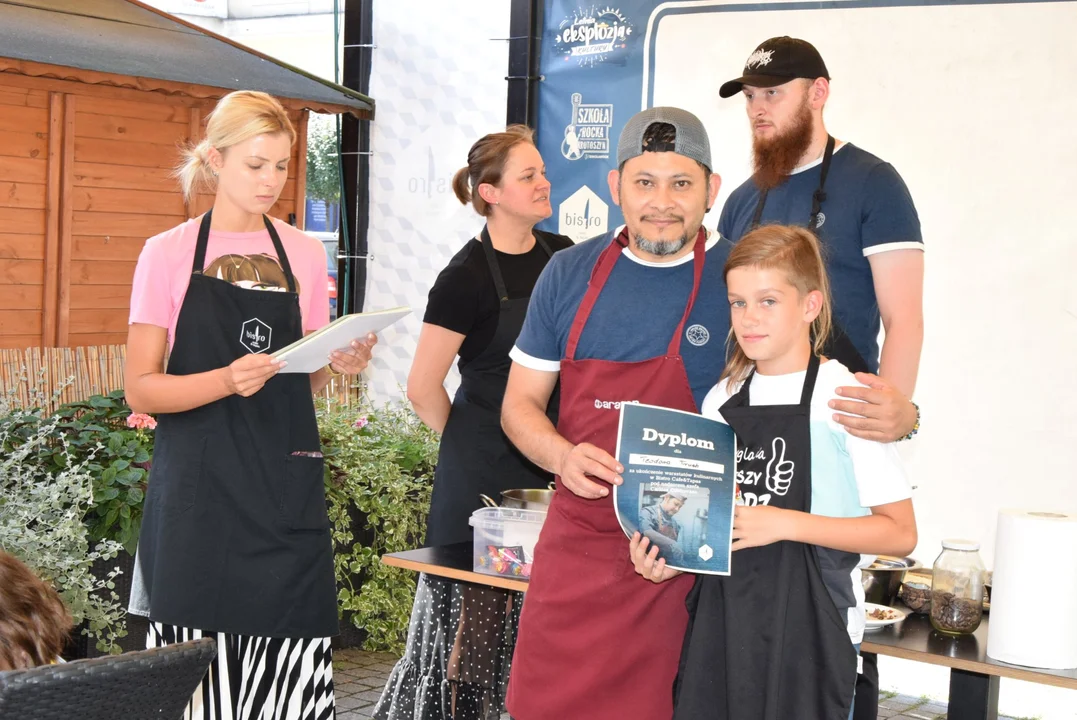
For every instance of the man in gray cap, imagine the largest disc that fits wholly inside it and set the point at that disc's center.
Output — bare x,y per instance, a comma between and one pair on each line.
637,315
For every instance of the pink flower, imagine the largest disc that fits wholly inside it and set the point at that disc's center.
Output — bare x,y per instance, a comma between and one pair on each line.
141,421
361,423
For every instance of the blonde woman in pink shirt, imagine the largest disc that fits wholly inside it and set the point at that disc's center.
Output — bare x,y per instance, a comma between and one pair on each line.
235,538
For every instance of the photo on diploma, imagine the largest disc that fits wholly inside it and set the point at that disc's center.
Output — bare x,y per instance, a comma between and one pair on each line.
679,485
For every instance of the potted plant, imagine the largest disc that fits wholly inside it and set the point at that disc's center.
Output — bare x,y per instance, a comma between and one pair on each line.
46,489
379,474
117,448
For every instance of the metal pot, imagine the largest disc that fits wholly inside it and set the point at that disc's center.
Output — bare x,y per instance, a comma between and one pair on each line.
884,576
523,499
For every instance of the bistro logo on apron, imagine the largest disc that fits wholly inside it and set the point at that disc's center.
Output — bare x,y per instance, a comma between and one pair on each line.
235,533
256,336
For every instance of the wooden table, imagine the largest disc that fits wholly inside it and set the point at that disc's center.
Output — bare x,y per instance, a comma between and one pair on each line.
451,561
974,677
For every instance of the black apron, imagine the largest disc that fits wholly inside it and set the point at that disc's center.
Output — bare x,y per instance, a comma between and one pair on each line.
768,642
838,345
475,456
235,536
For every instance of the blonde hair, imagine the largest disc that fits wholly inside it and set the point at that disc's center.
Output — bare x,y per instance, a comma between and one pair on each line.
794,251
485,163
239,116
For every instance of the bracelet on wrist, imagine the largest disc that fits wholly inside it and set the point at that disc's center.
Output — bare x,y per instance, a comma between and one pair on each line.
331,372
915,428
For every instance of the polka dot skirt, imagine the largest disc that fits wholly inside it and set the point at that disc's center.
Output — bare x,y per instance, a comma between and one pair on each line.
456,666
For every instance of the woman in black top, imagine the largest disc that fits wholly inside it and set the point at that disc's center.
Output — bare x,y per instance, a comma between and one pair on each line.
475,311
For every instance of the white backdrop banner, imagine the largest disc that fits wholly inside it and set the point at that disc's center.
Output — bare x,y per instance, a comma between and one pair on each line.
438,79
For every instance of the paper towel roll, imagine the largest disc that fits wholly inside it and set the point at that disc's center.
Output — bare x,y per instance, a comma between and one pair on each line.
1034,590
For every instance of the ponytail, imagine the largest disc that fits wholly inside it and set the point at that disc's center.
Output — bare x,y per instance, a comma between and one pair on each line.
194,173
460,186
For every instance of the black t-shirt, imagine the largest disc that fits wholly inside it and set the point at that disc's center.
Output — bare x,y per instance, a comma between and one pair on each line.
465,300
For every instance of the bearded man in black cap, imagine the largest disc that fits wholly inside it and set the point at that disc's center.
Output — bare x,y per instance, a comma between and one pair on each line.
864,216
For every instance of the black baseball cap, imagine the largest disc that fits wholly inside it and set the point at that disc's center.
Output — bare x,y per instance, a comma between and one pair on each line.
776,62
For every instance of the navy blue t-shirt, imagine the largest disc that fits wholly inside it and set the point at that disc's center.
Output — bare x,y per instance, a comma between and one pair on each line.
867,210
636,313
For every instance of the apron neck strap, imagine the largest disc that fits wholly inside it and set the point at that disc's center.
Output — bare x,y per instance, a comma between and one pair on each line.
281,255
699,257
817,198
759,209
199,263
601,273
806,391
495,267
809,381
543,244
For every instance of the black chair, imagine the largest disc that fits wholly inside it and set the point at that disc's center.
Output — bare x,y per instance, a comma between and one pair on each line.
149,684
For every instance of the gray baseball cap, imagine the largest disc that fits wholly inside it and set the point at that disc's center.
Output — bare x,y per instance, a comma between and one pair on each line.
691,137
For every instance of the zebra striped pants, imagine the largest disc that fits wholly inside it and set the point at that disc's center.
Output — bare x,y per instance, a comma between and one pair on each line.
258,678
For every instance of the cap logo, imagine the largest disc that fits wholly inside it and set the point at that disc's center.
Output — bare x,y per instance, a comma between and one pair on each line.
652,144
758,58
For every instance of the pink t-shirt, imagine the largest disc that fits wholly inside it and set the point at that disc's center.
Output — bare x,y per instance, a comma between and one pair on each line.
244,259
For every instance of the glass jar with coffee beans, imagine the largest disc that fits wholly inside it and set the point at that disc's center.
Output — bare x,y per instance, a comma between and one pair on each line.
957,588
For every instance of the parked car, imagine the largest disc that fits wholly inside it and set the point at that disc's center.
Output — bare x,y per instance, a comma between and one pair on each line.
331,243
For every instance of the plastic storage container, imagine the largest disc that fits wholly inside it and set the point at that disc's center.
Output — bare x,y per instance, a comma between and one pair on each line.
505,540
957,588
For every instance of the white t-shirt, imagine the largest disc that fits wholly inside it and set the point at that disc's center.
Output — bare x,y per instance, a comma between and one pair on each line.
849,474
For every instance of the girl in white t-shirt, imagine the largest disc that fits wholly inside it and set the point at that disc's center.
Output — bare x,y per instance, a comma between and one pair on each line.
779,636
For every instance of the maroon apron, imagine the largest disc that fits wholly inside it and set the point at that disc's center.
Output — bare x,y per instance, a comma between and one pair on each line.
596,640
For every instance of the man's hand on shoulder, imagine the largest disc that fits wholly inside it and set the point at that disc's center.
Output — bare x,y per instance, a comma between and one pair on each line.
876,412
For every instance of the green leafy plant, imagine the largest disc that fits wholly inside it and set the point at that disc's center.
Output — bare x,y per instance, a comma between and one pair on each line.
45,491
379,461
117,447
323,173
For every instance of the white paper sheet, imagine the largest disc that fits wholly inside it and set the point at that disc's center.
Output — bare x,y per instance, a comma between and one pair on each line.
312,352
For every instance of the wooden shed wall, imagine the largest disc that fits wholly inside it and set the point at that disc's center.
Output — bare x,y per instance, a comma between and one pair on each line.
24,151
84,181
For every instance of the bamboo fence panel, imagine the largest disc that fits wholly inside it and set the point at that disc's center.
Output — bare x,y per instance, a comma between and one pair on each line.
48,377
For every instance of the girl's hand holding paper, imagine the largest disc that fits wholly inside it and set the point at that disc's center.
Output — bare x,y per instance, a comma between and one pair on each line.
248,374
355,359
648,564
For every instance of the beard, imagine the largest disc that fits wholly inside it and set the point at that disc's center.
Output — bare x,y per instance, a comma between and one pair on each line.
775,158
662,248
